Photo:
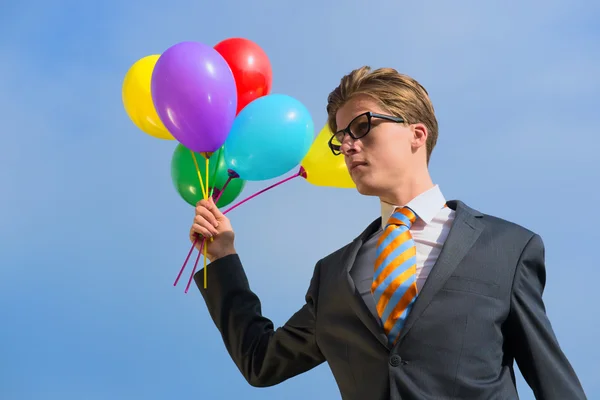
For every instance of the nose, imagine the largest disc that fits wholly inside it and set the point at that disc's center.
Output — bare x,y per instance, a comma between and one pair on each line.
349,145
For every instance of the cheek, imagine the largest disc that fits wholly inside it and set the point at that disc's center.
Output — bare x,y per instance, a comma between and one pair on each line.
390,157
345,161
386,149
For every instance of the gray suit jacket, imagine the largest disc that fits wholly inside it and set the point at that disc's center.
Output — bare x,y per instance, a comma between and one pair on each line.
480,310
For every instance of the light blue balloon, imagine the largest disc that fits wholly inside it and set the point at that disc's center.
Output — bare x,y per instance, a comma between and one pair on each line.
269,137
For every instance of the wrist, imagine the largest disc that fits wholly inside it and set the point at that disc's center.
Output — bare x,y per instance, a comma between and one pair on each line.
222,253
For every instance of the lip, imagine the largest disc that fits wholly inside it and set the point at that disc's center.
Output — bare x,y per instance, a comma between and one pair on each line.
355,164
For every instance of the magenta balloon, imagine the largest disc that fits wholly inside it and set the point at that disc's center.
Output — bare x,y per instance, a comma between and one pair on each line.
195,96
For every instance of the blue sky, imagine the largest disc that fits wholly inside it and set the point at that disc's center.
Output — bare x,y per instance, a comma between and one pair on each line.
92,233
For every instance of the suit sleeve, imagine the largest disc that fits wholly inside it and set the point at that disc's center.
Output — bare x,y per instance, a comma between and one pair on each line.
534,344
265,356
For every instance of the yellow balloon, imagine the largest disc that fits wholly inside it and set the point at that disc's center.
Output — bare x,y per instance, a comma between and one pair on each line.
322,167
137,98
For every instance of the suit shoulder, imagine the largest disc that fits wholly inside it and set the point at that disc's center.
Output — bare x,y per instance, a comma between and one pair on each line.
336,254
506,224
506,227
501,226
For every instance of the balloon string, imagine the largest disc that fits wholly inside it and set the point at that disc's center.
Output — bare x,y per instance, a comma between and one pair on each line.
214,176
199,174
207,184
260,192
186,260
201,247
205,265
225,212
207,166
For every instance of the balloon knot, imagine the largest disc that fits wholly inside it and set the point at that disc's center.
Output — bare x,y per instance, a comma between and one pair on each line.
232,174
302,172
216,193
207,154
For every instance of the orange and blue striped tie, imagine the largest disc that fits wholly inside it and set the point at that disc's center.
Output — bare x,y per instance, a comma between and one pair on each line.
394,285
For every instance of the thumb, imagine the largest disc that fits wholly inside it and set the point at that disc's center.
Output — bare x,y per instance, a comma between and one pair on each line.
215,210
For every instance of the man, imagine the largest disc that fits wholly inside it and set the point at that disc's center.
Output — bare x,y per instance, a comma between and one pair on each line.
433,300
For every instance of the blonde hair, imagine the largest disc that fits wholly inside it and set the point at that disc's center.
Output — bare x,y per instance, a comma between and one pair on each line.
399,94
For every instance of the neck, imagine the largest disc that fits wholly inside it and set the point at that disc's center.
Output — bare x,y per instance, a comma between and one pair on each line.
409,188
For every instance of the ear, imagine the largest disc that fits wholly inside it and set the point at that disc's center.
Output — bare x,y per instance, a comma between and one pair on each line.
419,135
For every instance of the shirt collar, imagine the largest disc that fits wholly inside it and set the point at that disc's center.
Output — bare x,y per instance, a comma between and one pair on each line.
426,206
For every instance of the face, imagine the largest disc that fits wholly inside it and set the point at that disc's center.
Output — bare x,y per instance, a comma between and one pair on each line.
382,159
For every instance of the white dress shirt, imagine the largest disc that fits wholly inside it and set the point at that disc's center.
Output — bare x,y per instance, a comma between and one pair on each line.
429,231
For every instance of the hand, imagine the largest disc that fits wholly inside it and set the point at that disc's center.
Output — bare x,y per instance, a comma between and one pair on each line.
210,223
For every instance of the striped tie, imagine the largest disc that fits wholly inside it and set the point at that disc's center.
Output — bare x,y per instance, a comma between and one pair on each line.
394,285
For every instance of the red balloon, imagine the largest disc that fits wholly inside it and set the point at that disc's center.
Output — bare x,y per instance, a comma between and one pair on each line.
250,66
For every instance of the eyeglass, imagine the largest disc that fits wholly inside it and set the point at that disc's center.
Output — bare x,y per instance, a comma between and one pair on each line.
357,128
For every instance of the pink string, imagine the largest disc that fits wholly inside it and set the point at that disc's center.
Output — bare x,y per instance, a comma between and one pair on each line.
187,287
198,237
300,173
260,192
186,260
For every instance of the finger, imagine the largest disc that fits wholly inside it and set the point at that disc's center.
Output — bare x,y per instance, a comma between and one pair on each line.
202,230
202,203
196,239
215,210
207,209
206,216
206,203
201,221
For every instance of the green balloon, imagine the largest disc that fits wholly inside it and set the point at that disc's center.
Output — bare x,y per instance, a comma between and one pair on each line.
187,184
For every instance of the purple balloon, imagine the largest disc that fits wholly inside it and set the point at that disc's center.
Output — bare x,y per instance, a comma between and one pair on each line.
194,93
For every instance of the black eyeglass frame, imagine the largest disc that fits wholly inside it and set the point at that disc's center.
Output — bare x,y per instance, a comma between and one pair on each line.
335,149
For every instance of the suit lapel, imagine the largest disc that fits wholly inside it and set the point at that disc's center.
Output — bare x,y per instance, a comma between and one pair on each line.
465,230
354,298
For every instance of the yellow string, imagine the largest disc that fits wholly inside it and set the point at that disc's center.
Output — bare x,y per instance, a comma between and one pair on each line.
206,156
204,191
207,185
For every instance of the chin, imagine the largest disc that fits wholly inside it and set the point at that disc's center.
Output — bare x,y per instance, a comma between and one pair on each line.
367,188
